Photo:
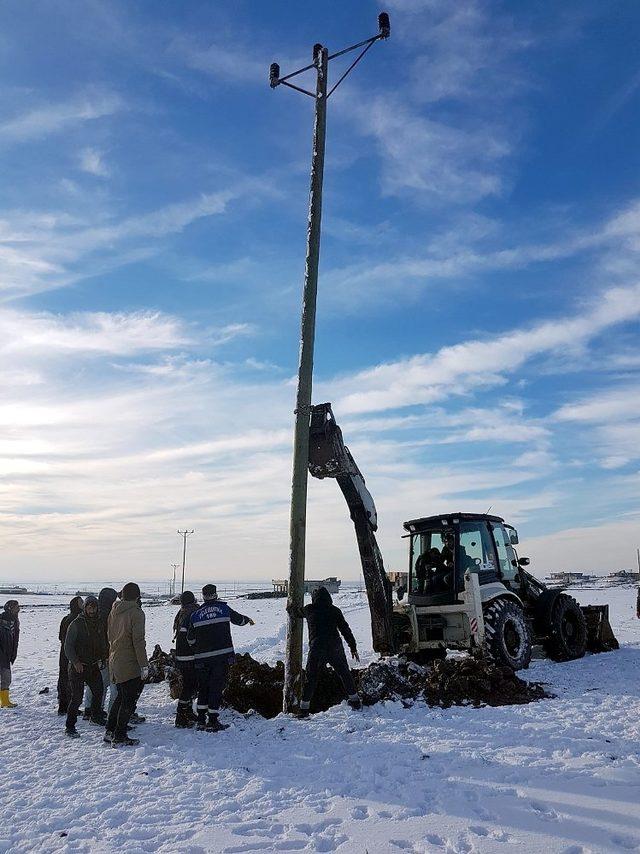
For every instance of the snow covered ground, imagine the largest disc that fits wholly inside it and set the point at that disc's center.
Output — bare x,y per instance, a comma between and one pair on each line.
562,775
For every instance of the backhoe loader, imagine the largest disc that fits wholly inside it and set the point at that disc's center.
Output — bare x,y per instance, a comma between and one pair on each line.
467,588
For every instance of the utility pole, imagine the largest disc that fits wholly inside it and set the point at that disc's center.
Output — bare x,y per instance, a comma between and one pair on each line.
298,517
184,534
173,583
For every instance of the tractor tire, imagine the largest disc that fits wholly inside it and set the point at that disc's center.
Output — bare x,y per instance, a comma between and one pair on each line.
566,631
507,634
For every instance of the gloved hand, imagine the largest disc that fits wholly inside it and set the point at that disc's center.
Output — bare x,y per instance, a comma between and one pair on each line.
251,622
354,654
144,673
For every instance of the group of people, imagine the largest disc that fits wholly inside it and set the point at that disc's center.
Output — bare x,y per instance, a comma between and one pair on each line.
102,648
103,652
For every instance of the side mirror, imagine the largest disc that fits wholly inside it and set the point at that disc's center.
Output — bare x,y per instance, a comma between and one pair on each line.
523,561
513,537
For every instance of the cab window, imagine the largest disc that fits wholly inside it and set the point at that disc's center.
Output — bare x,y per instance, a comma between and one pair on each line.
432,570
475,549
506,554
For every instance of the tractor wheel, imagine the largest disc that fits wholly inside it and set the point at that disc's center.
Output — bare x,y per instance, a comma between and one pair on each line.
567,630
507,634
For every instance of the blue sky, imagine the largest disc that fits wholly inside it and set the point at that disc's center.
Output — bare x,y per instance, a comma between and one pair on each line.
479,300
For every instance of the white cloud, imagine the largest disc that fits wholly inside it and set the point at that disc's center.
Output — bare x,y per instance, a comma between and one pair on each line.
53,118
92,161
473,364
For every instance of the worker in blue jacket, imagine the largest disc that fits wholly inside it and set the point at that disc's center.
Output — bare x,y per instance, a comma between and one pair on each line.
209,635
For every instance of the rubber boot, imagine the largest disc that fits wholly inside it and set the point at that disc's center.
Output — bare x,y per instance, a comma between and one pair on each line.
355,702
5,702
202,719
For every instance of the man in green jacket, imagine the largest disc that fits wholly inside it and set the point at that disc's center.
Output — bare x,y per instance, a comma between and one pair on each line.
86,652
128,662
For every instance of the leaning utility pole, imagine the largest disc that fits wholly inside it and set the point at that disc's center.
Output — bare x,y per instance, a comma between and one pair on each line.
184,535
321,58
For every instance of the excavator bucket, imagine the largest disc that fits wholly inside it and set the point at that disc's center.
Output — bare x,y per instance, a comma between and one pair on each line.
600,636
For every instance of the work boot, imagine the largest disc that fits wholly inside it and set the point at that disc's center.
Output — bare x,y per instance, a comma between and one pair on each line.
124,741
183,719
99,718
86,715
107,737
72,732
191,714
62,710
202,720
355,702
214,725
137,719
5,702
303,710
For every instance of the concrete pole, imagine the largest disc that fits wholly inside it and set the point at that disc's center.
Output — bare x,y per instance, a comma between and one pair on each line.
293,656
184,534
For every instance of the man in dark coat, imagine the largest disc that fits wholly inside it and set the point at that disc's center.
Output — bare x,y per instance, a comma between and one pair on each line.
209,635
326,623
185,660
86,649
106,598
9,637
64,689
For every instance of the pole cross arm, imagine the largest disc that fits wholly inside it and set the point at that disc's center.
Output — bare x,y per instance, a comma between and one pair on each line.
275,79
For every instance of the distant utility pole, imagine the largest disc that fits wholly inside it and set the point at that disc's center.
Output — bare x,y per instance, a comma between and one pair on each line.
184,535
321,58
173,583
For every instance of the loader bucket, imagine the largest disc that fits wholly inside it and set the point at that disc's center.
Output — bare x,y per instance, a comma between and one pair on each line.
600,636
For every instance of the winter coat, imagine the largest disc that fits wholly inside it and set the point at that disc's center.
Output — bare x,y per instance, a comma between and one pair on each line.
127,650
74,611
209,631
106,599
9,637
184,651
85,641
326,622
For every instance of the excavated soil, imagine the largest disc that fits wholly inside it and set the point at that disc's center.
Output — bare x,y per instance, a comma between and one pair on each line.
452,682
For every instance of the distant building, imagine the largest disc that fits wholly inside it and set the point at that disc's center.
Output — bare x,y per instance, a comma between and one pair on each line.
13,591
398,579
281,585
624,575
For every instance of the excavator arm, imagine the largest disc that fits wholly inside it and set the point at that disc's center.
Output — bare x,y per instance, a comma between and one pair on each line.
329,457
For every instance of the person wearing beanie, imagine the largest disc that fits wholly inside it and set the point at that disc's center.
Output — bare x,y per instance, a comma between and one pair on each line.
64,687
128,662
209,635
185,661
326,623
9,637
106,598
86,649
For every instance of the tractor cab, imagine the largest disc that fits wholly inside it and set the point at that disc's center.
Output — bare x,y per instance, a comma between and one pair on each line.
443,548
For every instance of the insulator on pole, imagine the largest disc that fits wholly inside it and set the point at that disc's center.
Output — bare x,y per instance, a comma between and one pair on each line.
317,50
274,75
384,25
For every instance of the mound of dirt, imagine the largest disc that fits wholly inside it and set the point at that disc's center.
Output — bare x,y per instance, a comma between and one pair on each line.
476,682
451,682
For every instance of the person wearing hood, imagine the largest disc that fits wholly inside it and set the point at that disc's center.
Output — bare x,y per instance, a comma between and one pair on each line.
9,637
106,598
64,688
128,662
185,660
209,636
325,623
86,649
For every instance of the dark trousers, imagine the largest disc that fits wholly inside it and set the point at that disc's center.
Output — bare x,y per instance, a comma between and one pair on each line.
124,706
189,684
64,688
319,656
90,676
212,680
